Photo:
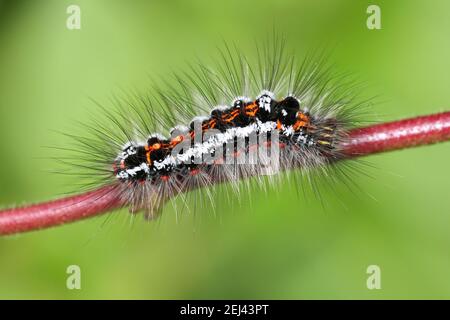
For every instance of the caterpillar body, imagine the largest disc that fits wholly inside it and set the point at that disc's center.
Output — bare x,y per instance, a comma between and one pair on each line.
297,114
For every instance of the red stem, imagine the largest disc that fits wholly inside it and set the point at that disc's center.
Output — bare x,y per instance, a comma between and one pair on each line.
362,141
64,210
398,135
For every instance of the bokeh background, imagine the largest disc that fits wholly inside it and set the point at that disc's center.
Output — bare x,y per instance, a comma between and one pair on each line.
278,245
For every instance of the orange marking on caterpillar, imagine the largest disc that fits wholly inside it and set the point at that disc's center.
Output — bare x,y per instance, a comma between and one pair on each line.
209,125
228,117
147,154
251,109
155,146
302,121
176,140
279,124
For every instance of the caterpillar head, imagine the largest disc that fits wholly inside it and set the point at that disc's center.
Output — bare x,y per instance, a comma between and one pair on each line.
131,163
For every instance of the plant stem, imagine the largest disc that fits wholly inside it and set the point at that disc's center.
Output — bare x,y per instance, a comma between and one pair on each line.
398,135
60,211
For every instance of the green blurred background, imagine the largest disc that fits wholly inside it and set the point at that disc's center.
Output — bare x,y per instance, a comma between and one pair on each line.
278,245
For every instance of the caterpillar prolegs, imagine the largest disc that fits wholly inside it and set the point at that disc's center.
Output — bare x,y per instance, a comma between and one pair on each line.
273,115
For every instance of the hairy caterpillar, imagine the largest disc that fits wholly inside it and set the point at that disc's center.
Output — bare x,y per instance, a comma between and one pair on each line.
237,120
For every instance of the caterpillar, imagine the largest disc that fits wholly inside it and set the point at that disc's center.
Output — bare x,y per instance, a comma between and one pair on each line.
236,120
